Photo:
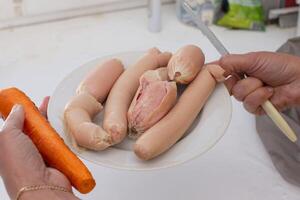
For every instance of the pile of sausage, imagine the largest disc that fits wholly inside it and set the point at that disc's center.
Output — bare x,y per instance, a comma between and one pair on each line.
141,101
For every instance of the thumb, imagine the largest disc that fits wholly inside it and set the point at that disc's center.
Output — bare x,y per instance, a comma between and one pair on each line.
239,63
15,119
44,106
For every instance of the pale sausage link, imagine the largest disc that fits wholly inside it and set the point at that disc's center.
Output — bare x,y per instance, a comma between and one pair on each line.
123,91
165,133
82,108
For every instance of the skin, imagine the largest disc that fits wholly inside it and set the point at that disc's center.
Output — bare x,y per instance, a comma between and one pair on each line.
160,74
166,132
273,76
99,81
81,109
185,64
78,116
24,166
123,91
158,94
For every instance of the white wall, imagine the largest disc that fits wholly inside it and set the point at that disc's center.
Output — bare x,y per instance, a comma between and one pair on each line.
6,9
35,7
32,7
15,13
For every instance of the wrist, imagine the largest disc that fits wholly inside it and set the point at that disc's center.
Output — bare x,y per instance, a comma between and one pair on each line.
47,193
38,194
14,183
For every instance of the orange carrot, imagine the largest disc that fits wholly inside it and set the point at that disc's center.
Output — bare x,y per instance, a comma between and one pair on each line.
52,148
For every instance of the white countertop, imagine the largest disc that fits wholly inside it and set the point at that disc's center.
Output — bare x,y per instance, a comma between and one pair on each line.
37,58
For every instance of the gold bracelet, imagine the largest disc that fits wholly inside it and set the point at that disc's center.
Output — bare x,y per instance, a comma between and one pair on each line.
40,187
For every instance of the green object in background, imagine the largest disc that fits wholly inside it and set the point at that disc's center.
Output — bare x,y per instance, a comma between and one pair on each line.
244,14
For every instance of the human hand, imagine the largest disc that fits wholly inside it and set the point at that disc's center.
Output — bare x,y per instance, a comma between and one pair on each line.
20,162
273,76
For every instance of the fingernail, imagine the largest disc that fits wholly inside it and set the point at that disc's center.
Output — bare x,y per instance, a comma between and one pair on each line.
16,107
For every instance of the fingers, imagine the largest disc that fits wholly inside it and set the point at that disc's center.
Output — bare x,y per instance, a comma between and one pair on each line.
251,92
238,63
55,177
15,119
230,82
285,97
44,106
279,71
255,99
244,87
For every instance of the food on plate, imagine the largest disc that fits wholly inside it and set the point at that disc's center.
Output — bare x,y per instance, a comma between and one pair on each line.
78,115
217,72
123,91
52,148
99,81
159,74
185,64
172,127
153,99
81,109
143,100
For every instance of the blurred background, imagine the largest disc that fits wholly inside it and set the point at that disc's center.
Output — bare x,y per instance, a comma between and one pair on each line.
243,14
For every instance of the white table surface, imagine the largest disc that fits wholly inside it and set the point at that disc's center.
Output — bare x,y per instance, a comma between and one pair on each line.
36,58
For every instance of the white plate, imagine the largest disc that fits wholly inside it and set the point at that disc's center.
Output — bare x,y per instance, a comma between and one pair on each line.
205,132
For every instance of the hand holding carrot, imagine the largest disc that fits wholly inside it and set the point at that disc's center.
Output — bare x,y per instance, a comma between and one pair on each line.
48,142
21,164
